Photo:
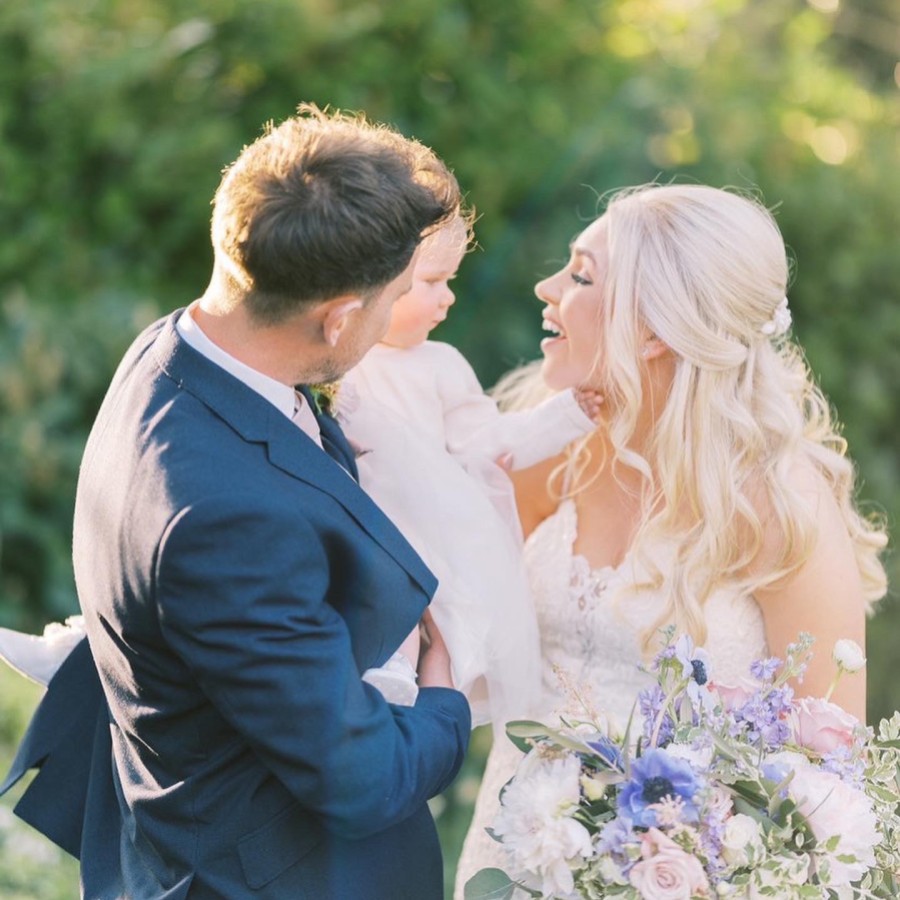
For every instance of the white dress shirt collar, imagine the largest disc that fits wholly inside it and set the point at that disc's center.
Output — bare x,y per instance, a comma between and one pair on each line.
282,396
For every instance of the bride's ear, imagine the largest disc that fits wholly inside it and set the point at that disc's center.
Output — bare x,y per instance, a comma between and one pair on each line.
337,318
652,347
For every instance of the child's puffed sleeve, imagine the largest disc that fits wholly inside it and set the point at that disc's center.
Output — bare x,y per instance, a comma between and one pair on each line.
474,425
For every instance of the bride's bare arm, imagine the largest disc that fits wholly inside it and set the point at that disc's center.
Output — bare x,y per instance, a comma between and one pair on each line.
533,495
823,597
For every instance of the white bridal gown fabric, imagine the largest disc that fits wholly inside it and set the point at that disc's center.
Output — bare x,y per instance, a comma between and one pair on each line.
427,439
595,642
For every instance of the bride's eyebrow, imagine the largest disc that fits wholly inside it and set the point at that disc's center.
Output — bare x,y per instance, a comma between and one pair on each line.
575,250
581,251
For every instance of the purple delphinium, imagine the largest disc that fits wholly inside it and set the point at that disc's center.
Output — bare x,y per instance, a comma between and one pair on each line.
765,669
711,836
655,775
846,764
650,703
612,840
763,719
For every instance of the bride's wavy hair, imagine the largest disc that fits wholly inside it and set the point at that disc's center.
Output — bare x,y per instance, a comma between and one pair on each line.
705,270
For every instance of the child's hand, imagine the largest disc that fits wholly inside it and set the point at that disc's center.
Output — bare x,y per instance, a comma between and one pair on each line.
505,461
590,400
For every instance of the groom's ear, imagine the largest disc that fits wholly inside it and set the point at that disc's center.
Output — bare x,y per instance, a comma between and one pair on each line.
336,316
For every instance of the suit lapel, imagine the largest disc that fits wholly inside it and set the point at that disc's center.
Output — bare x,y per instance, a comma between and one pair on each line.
289,449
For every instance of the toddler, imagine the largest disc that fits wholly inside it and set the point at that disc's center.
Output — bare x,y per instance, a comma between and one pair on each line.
429,440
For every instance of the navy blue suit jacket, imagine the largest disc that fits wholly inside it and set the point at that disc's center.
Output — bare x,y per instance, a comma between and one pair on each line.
236,582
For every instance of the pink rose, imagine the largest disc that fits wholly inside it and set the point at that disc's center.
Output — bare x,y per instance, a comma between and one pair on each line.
821,726
735,695
665,871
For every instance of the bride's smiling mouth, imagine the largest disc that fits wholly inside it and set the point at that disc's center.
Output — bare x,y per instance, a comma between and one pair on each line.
556,332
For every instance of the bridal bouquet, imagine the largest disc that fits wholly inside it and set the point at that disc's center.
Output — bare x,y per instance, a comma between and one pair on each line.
723,790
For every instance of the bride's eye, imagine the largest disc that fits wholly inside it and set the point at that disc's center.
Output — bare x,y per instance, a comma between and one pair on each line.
580,279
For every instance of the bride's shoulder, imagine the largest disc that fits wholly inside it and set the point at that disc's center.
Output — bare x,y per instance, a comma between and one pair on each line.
534,498
798,496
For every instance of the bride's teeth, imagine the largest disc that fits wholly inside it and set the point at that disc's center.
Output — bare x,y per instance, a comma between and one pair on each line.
552,327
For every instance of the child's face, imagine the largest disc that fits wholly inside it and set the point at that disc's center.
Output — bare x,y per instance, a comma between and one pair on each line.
424,306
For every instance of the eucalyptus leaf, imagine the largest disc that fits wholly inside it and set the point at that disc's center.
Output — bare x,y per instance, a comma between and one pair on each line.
493,884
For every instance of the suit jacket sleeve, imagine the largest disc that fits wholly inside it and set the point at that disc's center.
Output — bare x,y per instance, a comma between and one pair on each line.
250,619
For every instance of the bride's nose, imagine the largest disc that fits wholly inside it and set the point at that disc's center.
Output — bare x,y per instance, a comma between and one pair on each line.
544,290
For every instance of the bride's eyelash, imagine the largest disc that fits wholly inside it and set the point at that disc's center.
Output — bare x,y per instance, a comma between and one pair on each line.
580,279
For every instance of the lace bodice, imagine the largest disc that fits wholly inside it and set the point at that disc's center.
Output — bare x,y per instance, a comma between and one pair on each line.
591,629
591,626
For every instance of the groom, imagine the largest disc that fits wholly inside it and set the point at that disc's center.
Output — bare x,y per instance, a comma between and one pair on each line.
235,579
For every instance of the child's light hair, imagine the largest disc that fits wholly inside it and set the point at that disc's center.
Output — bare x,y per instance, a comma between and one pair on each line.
454,235
704,270
458,229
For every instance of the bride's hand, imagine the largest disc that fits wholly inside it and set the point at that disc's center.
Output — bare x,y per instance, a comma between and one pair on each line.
434,660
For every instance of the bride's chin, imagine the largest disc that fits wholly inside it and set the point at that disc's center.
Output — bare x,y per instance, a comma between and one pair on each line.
553,378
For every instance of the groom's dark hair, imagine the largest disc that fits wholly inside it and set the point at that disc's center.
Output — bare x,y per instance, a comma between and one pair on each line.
323,205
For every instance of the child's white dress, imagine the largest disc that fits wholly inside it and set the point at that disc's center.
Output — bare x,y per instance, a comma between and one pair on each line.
428,438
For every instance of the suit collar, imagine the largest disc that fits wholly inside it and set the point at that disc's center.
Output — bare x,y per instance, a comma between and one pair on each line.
280,395
289,449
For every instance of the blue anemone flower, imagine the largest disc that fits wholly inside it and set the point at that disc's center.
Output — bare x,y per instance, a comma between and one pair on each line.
655,775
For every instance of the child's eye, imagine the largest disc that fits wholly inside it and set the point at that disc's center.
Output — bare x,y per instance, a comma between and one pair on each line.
580,279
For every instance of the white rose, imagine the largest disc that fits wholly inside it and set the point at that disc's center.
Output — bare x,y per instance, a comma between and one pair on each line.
848,655
833,808
741,841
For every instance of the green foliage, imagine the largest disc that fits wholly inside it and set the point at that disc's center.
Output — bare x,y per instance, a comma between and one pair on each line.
55,366
116,117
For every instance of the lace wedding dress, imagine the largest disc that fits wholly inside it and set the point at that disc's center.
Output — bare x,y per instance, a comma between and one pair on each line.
594,641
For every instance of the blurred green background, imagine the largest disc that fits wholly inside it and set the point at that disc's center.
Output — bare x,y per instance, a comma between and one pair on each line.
118,115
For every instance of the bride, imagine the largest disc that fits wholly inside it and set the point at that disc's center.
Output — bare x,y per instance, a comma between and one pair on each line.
715,494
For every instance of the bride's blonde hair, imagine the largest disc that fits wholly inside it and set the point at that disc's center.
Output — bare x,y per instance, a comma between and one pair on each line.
705,270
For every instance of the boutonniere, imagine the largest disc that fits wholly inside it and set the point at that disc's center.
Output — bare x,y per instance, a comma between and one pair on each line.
324,396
